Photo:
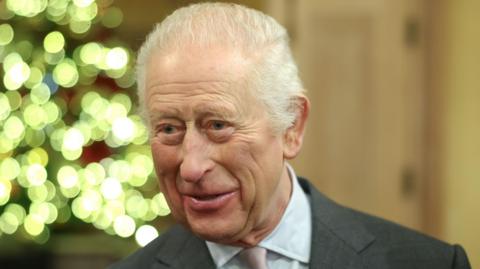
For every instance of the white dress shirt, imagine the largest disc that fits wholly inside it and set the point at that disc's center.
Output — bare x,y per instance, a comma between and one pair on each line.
288,245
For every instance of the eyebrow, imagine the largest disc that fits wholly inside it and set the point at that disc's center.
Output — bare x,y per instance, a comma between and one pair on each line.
185,83
157,114
202,110
220,110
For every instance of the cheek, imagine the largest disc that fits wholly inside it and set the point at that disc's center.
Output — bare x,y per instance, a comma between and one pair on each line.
258,167
165,159
241,165
166,167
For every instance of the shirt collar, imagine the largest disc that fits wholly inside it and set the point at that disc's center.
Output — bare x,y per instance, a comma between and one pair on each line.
292,236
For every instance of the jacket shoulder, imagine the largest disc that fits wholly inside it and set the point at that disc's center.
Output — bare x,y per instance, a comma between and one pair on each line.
405,247
380,243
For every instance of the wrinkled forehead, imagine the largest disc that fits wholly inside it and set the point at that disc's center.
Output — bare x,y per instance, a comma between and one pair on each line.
192,64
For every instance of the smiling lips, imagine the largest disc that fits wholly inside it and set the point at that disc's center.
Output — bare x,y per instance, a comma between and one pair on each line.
203,203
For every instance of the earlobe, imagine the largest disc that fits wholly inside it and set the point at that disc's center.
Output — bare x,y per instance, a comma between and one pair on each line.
293,137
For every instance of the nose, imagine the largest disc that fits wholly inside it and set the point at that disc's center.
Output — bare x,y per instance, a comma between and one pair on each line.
196,161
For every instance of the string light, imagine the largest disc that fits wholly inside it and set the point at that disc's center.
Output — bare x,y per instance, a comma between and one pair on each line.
68,98
145,234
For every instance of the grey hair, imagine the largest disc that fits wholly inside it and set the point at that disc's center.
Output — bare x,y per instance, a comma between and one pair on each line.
274,77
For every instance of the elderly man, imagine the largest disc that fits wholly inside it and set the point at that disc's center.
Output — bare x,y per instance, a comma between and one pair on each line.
226,109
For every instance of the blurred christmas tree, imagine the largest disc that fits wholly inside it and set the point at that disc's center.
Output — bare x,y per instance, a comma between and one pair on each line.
71,147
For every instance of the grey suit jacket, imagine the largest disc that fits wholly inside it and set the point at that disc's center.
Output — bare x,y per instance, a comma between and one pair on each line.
341,238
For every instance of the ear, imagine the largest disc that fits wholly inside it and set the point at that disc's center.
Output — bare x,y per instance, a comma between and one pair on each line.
293,136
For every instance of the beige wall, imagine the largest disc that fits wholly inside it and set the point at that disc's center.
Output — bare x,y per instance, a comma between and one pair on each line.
455,77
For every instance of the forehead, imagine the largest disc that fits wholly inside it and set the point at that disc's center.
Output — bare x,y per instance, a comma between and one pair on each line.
196,64
197,79
199,97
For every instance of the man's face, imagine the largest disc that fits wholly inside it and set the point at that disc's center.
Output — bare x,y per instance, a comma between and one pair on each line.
219,163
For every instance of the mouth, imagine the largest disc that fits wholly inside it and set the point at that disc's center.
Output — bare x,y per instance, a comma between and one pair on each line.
211,202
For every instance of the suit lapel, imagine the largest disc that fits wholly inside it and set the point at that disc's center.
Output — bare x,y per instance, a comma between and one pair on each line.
184,250
337,238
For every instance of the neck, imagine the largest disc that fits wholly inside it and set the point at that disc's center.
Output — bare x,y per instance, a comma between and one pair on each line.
277,206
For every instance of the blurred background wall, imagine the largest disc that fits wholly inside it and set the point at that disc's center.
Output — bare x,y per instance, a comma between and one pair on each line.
395,122
454,113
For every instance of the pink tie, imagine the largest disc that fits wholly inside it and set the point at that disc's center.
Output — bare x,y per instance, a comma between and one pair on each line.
254,258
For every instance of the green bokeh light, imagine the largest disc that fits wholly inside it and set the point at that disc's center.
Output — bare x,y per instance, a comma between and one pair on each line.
4,106
94,173
44,212
17,210
15,99
27,8
16,75
120,170
35,116
85,129
111,188
73,139
37,155
137,206
79,209
8,223
14,128
145,234
91,53
57,8
115,111
34,138
80,26
127,80
123,129
38,193
56,138
70,192
124,226
67,177
71,154
116,58
25,49
54,42
35,78
45,128
9,168
40,94
5,189
36,174
159,205
104,219
54,58
83,3
53,112
10,60
83,13
66,73
6,145
113,17
33,224
6,34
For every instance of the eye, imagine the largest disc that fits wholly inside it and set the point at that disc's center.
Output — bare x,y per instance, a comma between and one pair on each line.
168,129
218,125
170,134
219,131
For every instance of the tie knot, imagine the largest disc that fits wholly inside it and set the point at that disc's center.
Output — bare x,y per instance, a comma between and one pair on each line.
254,258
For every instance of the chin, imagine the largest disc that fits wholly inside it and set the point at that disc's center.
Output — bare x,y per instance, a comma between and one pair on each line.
220,233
